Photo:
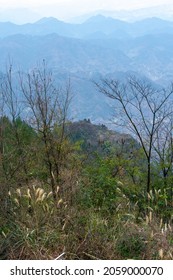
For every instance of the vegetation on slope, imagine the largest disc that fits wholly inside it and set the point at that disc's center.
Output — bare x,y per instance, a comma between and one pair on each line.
77,188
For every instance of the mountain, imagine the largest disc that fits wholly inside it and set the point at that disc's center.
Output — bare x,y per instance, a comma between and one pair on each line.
41,27
99,47
107,26
151,55
98,138
160,11
62,53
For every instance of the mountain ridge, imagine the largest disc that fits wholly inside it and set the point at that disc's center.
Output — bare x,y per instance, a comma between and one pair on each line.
84,53
99,23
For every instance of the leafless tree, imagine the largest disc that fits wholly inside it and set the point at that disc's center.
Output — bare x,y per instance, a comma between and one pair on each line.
12,111
163,151
142,109
47,108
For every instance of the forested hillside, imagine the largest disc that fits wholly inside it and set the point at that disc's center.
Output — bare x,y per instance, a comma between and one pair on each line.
78,188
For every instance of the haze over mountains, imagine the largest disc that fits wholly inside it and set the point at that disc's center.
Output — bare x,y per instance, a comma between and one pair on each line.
103,25
100,46
21,15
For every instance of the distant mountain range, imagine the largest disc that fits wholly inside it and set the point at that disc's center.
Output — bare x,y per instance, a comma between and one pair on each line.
164,11
25,15
101,46
105,26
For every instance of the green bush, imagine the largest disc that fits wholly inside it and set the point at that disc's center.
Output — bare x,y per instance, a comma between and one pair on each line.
131,244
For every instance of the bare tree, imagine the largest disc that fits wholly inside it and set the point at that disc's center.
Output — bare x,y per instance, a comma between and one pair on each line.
163,151
140,108
4,188
12,111
1,129
47,108
12,150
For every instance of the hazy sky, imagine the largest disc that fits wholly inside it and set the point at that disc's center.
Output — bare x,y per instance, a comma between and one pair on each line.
69,8
116,4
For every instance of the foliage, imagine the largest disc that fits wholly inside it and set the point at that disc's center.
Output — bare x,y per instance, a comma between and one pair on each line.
76,187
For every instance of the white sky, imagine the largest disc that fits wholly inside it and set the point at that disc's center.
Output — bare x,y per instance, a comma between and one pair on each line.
87,4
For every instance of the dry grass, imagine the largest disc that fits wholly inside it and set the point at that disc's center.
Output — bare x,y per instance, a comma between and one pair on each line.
39,230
